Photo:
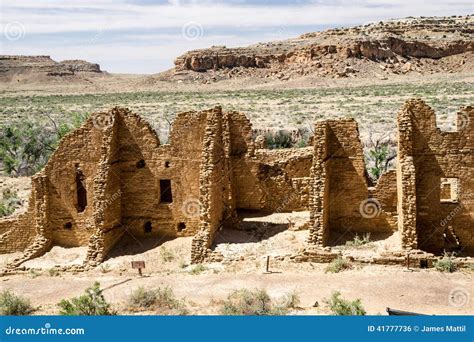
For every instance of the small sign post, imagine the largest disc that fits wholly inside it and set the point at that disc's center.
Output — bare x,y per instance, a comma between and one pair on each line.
267,266
138,265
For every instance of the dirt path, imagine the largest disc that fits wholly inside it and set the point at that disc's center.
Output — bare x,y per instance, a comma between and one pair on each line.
423,291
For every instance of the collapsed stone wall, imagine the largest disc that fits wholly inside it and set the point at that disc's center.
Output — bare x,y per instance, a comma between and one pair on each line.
428,159
343,201
235,175
112,178
273,180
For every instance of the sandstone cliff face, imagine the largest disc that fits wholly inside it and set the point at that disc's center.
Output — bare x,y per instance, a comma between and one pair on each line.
422,45
43,65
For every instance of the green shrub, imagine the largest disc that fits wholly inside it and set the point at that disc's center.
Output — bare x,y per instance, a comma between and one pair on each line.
9,202
27,144
166,254
13,305
142,298
91,303
359,241
257,302
54,272
338,265
104,268
198,269
446,264
162,300
290,300
280,139
34,273
342,307
379,157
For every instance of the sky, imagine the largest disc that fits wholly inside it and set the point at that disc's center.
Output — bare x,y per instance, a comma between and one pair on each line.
145,36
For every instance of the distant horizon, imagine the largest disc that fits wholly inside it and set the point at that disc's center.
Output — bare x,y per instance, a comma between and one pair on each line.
145,36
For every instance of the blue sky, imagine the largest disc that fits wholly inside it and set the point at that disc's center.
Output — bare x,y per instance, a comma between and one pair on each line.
145,36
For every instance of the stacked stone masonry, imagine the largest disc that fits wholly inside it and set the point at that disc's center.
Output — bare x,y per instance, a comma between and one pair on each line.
112,178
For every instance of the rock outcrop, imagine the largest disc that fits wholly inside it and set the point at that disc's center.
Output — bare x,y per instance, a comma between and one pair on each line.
11,66
424,45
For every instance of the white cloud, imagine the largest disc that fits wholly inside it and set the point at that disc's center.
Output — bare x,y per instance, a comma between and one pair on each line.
55,16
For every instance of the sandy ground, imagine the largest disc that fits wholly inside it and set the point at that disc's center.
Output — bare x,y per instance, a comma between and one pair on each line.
423,291
167,264
108,83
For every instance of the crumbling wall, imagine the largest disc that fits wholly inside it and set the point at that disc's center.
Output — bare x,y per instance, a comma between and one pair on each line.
342,200
80,152
105,219
149,169
429,155
267,180
214,180
16,233
385,191
111,177
351,207
319,201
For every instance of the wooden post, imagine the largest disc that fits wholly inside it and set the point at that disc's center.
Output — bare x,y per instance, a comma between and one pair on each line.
267,267
408,260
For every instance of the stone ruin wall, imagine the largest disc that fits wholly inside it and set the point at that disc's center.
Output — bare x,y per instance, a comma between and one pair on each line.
235,175
428,155
214,169
119,161
342,200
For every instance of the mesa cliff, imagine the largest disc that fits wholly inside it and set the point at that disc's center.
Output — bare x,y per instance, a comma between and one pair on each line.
13,66
413,45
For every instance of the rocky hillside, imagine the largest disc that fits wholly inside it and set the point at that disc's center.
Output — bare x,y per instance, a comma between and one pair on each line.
411,45
21,67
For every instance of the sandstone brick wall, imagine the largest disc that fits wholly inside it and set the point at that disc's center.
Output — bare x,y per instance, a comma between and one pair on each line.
427,155
16,233
214,184
319,201
273,180
111,177
385,191
343,201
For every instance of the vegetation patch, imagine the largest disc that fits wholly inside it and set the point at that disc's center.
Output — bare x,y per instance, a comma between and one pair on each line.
9,202
342,307
166,255
91,303
446,264
359,241
198,269
338,265
13,305
258,302
160,300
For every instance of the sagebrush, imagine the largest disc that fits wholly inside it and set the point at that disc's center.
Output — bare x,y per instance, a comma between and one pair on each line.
258,302
14,305
161,300
342,307
91,303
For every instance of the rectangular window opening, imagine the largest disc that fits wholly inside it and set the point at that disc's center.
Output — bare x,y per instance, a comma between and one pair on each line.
449,191
165,191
